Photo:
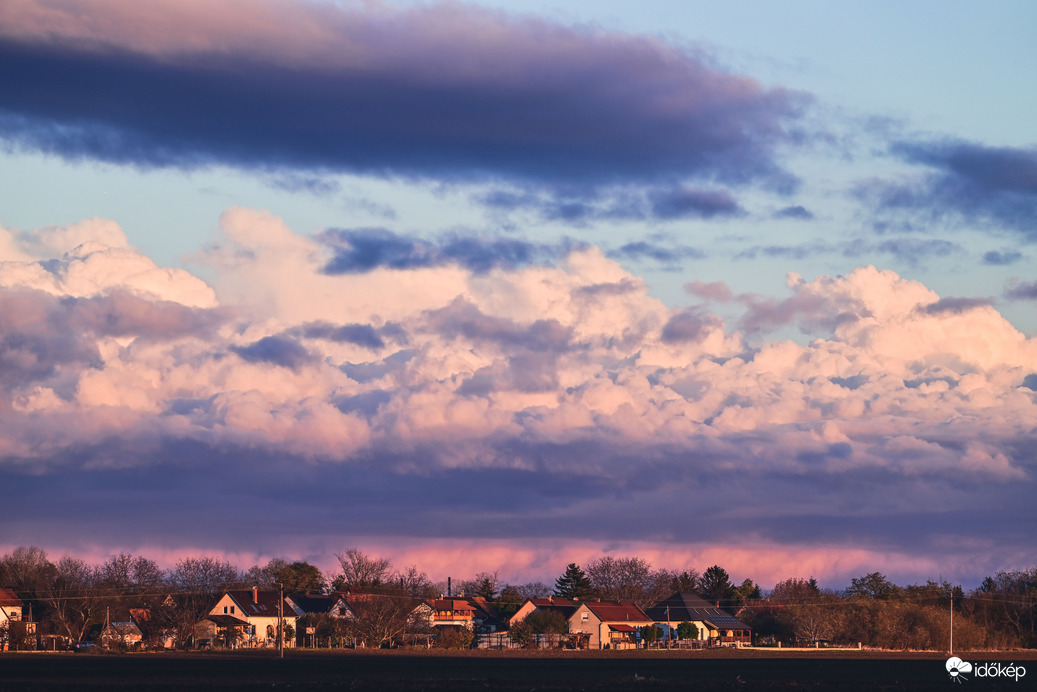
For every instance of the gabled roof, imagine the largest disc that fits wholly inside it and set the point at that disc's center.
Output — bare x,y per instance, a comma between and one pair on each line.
453,604
688,606
227,620
9,599
314,602
617,611
124,629
562,606
483,609
259,604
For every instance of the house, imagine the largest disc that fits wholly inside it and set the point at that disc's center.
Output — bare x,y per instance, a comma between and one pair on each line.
121,634
249,617
10,613
334,605
609,624
715,625
320,616
174,622
471,612
10,607
551,604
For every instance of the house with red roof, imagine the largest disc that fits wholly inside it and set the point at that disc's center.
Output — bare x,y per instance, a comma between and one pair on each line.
10,611
609,624
551,604
471,612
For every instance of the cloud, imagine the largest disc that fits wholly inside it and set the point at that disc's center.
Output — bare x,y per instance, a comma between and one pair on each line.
1021,290
687,202
957,305
359,334
689,326
277,350
715,290
641,250
562,397
584,205
422,92
967,182
362,250
794,212
911,251
1001,258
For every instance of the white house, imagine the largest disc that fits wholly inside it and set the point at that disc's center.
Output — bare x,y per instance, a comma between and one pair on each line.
249,617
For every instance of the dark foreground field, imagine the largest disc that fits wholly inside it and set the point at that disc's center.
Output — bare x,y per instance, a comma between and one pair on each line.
464,671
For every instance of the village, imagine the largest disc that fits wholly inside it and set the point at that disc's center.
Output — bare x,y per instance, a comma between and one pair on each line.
130,604
255,618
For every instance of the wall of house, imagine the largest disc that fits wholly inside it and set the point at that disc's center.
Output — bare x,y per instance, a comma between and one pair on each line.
586,622
10,613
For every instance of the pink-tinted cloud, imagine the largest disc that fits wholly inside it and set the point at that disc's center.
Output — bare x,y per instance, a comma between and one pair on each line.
556,409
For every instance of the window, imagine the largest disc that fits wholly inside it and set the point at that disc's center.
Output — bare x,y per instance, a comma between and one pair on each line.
224,610
586,616
232,610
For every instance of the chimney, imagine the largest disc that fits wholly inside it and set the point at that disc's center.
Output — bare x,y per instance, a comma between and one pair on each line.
255,594
448,588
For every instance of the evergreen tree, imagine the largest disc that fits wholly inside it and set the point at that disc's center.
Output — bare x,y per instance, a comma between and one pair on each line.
573,584
716,585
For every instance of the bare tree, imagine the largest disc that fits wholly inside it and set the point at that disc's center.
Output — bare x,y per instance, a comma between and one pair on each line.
380,618
73,597
360,570
130,574
198,583
295,576
413,583
624,579
806,611
26,570
484,584
533,589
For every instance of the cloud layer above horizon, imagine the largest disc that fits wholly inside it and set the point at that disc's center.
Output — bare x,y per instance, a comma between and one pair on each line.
465,352
551,401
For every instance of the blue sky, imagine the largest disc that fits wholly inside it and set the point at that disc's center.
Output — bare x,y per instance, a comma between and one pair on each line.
790,240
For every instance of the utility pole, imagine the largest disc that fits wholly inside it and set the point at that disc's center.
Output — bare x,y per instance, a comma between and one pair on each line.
280,618
952,622
669,630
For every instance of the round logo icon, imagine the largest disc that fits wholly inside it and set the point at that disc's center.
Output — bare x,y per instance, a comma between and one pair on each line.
956,666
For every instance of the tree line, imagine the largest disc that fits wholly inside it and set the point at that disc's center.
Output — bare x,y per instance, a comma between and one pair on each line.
70,596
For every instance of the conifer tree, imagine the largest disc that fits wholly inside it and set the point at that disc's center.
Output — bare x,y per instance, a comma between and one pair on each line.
573,584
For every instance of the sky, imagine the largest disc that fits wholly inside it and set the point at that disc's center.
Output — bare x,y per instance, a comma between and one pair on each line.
512,284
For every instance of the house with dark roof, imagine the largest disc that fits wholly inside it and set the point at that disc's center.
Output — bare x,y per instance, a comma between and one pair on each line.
307,603
716,626
320,616
609,624
121,634
249,617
